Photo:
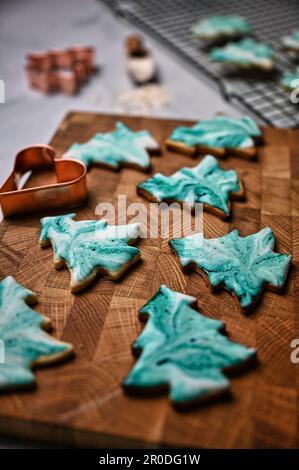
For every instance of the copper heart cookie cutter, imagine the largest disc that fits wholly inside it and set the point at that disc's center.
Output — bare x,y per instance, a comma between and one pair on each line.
63,70
69,191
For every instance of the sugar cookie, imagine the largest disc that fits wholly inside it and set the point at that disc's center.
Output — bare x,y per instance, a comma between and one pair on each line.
205,183
221,27
121,147
182,351
88,247
246,53
218,136
243,265
25,344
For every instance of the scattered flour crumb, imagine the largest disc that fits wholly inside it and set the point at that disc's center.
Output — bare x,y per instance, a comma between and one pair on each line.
143,98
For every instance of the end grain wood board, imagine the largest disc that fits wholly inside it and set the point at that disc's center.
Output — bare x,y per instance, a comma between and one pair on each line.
81,401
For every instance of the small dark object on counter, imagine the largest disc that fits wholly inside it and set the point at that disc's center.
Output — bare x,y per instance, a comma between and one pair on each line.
60,70
141,65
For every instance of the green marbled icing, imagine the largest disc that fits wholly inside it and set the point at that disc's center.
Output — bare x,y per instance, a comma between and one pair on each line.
205,183
292,41
221,26
121,146
242,264
290,81
24,340
245,53
219,132
183,349
90,245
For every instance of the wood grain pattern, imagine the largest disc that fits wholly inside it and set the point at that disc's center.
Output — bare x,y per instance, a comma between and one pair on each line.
81,401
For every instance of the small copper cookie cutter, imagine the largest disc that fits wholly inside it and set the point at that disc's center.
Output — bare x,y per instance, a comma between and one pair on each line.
69,191
60,70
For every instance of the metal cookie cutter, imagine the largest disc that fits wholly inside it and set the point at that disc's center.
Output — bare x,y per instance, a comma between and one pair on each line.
63,70
69,191
53,80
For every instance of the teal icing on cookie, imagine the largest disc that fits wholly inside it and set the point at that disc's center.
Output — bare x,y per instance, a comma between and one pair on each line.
89,246
219,132
290,81
242,264
221,26
183,350
292,41
25,343
121,146
205,183
245,53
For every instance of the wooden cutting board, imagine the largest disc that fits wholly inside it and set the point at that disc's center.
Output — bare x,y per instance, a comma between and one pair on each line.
81,401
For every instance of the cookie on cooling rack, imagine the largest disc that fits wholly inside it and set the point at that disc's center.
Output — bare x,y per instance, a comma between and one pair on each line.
291,42
244,54
290,80
219,27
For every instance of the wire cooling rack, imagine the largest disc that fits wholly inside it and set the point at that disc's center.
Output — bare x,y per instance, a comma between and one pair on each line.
170,22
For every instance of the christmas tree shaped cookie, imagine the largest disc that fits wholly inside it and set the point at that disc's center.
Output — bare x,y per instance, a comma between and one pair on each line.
243,265
121,147
291,42
25,344
182,351
205,183
89,247
221,27
290,81
245,54
218,136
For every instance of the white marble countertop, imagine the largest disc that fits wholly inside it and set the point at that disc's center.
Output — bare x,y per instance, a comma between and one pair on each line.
28,117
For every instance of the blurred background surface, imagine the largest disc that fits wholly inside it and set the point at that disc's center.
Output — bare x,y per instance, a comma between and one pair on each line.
29,117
